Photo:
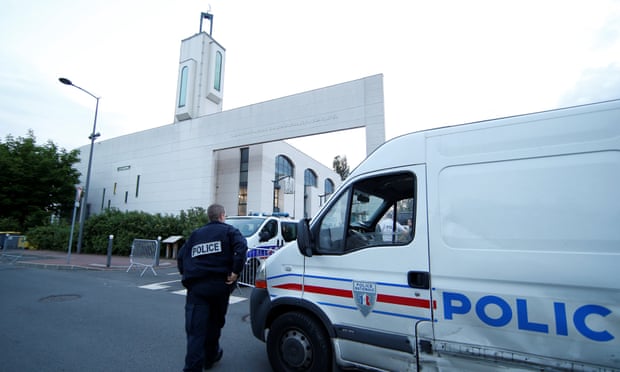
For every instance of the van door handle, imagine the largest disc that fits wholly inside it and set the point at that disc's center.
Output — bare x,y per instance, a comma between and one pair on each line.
419,279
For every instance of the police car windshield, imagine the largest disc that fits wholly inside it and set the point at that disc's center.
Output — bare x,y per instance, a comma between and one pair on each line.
247,225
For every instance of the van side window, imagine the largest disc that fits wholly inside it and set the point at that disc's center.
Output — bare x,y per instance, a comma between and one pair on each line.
376,211
289,231
331,230
269,230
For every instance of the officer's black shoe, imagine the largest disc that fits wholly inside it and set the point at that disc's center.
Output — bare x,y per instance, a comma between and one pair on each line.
209,365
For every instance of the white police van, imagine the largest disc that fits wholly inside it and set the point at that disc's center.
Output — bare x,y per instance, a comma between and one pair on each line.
512,261
264,234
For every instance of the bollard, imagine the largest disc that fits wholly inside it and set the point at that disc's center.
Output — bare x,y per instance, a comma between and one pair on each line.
158,251
110,240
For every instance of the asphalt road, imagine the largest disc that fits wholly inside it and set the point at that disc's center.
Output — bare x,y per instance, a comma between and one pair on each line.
57,320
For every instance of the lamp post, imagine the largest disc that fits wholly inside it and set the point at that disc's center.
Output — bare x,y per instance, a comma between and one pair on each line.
78,192
92,138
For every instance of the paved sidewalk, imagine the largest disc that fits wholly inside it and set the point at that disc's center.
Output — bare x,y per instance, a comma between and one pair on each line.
62,261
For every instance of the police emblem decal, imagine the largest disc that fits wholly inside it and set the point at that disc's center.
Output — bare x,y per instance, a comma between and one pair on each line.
365,296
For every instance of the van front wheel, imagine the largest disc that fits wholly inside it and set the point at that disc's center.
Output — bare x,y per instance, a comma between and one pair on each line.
298,342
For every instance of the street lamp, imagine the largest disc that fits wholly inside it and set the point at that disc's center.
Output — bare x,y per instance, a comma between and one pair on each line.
78,193
92,138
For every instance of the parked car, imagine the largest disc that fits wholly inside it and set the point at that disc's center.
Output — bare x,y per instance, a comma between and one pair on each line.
265,235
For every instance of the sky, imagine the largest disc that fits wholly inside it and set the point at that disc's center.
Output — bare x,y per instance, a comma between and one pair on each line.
443,62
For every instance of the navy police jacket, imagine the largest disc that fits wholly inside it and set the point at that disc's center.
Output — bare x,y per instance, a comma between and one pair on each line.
212,251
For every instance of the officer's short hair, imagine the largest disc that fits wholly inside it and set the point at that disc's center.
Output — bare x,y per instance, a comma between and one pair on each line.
215,211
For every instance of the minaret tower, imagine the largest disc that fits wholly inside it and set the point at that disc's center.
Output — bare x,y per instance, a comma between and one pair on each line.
200,87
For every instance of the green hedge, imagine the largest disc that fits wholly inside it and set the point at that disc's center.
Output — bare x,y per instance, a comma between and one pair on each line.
125,226
51,237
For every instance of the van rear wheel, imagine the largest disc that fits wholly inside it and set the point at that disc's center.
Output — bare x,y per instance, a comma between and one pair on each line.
298,342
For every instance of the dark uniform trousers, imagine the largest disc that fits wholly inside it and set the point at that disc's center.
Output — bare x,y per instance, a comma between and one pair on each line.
205,315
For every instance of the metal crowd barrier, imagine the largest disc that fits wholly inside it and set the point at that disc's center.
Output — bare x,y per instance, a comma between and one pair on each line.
255,257
12,250
144,254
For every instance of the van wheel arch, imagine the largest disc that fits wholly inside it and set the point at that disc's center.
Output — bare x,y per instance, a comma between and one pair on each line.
284,305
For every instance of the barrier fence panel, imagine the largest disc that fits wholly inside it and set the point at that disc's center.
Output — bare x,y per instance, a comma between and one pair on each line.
12,248
144,255
255,257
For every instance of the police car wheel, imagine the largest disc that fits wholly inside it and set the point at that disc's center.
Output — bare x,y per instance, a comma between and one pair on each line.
298,342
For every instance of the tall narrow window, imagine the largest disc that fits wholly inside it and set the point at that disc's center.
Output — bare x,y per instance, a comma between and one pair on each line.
114,190
183,87
217,81
103,198
242,205
137,185
126,196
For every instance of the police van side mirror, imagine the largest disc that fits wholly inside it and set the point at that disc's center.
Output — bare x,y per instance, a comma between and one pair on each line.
304,238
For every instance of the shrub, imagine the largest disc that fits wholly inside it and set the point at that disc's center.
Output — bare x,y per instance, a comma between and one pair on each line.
51,237
125,226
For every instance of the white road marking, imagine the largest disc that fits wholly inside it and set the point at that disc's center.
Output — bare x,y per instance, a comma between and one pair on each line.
183,292
235,299
160,285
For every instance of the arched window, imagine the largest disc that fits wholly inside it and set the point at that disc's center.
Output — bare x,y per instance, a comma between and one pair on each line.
284,167
217,81
183,87
284,170
310,178
329,187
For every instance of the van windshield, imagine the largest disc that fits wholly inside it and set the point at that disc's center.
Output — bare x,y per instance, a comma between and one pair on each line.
247,225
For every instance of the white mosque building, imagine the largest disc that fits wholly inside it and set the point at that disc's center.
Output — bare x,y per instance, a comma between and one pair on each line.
237,158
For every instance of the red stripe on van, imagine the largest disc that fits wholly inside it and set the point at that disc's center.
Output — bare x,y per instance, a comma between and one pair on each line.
289,286
329,291
316,289
406,301
389,299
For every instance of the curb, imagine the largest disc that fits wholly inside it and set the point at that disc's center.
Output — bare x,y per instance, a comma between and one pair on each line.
93,266
40,265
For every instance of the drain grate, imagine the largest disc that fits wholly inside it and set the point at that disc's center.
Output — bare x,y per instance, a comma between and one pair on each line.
60,298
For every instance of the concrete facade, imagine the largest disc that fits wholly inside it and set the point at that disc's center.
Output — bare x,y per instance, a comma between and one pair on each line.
302,202
195,161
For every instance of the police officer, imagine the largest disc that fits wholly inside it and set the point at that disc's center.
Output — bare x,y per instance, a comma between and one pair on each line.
210,262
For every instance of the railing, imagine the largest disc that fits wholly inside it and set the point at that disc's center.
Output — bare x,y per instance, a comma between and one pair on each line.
12,248
255,257
144,254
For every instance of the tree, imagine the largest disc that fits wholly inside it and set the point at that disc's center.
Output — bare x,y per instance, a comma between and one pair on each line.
341,167
35,181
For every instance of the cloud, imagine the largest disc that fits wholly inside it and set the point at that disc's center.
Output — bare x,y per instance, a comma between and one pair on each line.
594,85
